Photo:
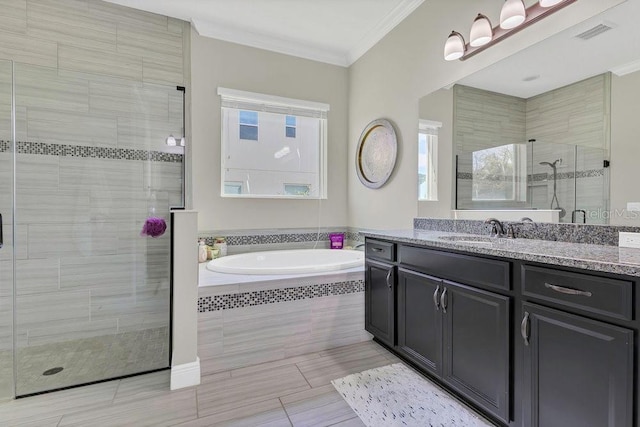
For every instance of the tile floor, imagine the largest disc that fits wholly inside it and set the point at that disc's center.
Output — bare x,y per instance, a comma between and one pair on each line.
289,392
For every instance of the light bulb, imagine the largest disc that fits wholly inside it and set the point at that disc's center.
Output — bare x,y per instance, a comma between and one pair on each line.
549,3
182,142
454,47
481,31
171,141
513,13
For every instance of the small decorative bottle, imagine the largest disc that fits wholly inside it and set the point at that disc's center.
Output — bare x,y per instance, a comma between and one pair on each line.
202,251
221,245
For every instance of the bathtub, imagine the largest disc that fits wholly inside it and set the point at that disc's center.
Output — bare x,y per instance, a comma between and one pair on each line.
299,261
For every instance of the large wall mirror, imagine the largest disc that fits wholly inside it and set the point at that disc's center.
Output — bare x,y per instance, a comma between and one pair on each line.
552,128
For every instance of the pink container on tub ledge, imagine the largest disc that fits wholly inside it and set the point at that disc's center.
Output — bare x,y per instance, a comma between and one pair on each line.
336,240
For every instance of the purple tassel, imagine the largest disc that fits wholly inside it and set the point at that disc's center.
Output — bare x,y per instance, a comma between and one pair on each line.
153,227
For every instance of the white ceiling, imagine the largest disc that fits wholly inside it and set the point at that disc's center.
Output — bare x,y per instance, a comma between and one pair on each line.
333,31
564,59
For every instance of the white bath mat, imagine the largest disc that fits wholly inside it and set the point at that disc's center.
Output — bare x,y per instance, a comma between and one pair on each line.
395,395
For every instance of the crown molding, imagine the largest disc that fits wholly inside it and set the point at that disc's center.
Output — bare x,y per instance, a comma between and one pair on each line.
388,23
272,43
340,57
625,69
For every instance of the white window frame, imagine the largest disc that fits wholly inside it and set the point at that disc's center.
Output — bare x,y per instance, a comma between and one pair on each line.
431,128
243,100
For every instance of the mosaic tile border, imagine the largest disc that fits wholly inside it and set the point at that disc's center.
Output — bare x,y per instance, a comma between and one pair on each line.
272,296
66,150
540,177
267,238
572,233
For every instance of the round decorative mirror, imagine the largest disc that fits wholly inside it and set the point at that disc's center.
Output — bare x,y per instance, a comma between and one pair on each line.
376,155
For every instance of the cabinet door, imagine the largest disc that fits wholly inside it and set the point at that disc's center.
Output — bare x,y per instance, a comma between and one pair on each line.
476,346
419,319
379,300
578,371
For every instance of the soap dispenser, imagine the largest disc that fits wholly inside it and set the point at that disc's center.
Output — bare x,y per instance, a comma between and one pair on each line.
202,251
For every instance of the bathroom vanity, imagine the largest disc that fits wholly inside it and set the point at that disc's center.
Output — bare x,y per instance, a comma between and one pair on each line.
529,332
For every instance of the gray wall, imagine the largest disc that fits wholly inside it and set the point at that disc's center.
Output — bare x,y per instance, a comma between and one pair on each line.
625,147
216,63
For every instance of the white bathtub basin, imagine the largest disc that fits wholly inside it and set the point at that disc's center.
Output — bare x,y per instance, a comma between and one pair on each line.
288,262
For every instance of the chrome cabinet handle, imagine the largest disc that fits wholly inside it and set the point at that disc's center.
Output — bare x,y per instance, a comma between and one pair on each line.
377,249
436,302
568,291
443,301
389,278
524,328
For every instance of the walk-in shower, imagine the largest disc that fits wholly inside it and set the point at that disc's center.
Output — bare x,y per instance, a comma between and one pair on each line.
572,179
83,163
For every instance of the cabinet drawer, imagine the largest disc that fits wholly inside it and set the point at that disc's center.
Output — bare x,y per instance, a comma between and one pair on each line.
610,297
380,250
461,268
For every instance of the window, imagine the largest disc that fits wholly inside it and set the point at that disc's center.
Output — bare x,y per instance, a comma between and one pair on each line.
248,121
290,126
289,164
500,173
297,189
428,159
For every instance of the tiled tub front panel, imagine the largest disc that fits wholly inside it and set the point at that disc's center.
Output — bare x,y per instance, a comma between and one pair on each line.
243,329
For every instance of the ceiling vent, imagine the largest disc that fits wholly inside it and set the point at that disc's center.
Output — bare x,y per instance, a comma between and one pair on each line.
595,31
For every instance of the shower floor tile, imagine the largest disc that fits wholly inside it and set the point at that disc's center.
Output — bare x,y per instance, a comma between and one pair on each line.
90,359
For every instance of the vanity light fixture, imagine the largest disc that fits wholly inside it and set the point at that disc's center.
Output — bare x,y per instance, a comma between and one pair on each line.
513,14
454,47
481,31
513,18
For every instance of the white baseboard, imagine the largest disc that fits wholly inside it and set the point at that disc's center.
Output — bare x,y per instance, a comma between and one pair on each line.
185,375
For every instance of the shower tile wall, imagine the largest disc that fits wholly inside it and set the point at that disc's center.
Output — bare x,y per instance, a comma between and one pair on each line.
483,119
577,114
96,97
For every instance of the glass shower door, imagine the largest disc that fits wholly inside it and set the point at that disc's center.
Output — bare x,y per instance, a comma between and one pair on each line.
93,164
6,232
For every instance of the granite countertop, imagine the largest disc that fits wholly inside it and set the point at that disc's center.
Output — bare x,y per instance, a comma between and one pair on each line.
609,259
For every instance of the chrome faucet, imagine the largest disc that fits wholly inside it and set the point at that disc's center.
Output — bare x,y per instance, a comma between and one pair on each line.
497,230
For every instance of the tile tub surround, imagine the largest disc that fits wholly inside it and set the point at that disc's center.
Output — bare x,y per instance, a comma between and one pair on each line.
569,233
608,259
240,241
245,322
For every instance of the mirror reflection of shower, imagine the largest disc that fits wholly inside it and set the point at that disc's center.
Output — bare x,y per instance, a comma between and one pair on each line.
554,199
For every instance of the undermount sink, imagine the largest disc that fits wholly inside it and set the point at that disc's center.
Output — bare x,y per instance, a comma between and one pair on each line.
469,240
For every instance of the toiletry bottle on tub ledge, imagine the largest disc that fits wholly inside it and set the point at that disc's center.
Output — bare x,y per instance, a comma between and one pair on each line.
202,251
221,244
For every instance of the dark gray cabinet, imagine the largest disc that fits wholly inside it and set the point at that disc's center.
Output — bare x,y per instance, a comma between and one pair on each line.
379,310
528,345
476,351
577,371
458,333
419,320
